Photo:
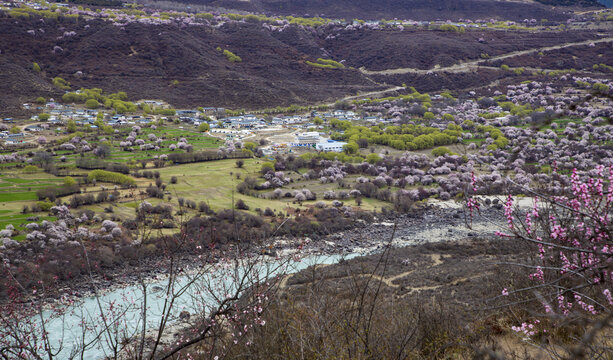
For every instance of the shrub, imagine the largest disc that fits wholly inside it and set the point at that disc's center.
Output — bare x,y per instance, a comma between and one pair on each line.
44,205
601,88
54,192
29,169
204,127
373,158
36,67
350,148
239,163
266,167
451,28
326,64
61,83
71,126
441,151
112,177
173,179
231,56
92,104
204,208
240,204
69,181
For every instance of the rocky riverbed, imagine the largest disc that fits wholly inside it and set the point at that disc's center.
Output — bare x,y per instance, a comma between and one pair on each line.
431,223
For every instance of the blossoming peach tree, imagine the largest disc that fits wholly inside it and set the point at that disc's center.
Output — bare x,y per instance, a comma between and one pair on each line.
570,231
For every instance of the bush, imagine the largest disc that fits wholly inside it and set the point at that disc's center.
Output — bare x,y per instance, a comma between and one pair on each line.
231,56
240,204
441,151
44,205
92,104
69,181
36,67
173,179
326,64
112,177
239,163
266,167
30,169
373,158
54,192
204,127
204,208
61,83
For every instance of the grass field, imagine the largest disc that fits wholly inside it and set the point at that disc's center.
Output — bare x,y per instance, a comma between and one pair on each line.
215,183
17,186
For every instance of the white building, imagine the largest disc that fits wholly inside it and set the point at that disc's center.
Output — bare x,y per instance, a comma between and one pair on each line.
330,145
308,137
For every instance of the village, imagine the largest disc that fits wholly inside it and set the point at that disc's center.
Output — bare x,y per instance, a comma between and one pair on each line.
282,133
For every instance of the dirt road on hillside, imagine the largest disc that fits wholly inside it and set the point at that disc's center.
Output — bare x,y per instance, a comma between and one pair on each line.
474,64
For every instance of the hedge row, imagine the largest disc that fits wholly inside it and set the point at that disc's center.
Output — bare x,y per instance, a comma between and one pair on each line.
112,177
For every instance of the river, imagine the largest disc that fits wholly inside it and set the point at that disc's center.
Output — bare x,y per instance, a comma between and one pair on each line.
66,333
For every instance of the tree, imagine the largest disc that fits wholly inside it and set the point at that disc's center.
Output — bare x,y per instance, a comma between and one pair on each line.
239,163
204,127
36,67
373,158
350,148
92,104
570,273
43,159
40,100
241,205
601,88
318,121
71,126
102,151
69,181
429,116
441,150
43,116
15,130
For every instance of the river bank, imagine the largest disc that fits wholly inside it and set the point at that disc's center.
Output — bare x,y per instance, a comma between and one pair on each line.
430,223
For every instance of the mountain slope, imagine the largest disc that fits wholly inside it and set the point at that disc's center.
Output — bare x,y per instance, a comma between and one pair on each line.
390,9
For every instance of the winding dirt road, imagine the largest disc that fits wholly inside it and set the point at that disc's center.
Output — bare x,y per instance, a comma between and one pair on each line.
474,64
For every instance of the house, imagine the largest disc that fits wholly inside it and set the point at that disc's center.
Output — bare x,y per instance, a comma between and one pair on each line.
33,128
209,111
311,137
330,146
186,112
